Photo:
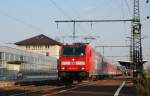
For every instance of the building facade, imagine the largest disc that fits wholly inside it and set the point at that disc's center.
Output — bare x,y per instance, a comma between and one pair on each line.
14,61
41,44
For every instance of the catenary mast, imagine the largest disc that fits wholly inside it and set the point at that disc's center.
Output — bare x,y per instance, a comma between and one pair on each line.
136,53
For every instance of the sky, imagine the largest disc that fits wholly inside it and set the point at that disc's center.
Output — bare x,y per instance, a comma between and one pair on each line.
21,19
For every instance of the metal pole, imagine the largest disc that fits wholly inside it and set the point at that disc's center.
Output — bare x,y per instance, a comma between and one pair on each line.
136,42
103,50
74,30
123,20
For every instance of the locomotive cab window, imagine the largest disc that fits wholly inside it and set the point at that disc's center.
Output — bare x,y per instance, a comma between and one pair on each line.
73,50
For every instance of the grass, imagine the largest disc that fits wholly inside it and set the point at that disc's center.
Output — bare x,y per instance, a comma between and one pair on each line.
143,86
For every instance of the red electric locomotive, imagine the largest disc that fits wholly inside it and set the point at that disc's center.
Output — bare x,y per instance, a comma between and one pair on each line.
79,61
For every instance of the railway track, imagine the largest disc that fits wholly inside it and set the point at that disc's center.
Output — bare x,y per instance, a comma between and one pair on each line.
29,87
56,89
38,89
43,90
34,88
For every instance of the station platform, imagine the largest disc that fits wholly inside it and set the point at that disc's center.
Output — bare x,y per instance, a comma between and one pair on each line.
6,83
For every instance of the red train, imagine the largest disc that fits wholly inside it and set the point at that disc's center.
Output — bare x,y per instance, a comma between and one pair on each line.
79,61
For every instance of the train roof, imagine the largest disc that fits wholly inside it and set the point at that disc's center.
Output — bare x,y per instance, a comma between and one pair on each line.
39,40
82,44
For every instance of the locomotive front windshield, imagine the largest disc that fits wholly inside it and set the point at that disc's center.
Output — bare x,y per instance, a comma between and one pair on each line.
73,50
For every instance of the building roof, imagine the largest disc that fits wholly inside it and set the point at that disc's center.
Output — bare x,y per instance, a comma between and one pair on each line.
128,63
125,63
39,40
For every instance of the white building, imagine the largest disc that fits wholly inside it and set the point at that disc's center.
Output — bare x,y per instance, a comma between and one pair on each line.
41,44
28,64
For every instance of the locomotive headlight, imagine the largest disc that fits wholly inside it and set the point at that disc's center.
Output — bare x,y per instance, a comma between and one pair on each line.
63,68
80,63
82,68
65,63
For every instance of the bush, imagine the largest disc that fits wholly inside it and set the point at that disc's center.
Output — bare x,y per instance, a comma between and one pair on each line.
143,86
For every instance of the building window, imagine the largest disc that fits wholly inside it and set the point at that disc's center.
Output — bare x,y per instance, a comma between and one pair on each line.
47,46
27,47
47,53
6,56
11,57
38,47
21,58
34,47
1,63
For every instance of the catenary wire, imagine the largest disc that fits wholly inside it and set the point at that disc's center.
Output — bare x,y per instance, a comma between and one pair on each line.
20,21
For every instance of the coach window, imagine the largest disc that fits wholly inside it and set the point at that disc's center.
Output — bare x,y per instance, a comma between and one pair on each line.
47,53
